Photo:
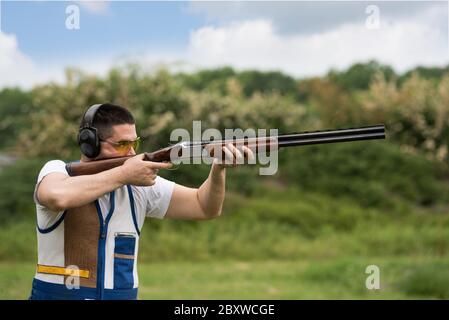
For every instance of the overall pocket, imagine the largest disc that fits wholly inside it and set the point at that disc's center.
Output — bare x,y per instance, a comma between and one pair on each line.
125,244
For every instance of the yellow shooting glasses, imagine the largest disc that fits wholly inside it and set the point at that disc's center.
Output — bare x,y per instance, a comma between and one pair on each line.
124,146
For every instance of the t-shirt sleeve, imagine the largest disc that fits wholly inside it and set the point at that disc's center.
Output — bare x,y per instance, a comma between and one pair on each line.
45,216
50,167
158,197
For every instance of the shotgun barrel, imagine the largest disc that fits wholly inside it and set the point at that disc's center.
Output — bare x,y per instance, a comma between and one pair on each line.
331,136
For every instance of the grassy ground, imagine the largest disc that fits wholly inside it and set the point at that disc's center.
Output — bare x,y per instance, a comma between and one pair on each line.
400,278
276,240
286,245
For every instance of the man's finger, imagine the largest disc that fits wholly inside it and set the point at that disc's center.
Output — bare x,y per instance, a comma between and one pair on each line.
249,154
160,165
140,156
229,156
237,154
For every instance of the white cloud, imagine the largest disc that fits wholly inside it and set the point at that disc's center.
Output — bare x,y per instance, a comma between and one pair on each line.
98,7
305,17
15,67
256,44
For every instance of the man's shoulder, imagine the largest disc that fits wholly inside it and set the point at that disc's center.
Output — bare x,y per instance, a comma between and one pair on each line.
55,162
51,167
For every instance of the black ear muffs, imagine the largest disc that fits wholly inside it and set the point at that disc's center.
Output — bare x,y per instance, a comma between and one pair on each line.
88,139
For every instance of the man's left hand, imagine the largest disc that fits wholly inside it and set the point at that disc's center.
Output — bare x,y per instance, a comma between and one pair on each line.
234,156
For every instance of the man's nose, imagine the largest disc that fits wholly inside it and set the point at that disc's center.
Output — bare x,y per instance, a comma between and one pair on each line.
131,152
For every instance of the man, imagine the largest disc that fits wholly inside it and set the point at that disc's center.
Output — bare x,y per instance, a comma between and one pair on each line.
88,227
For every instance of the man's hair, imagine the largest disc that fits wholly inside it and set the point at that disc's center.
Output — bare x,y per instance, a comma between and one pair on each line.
109,115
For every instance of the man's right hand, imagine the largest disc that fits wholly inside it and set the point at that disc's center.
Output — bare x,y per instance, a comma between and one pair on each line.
138,172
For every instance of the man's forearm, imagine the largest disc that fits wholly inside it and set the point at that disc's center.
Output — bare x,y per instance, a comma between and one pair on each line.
81,190
211,194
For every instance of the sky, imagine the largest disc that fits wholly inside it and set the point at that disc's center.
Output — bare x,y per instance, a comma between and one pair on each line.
38,41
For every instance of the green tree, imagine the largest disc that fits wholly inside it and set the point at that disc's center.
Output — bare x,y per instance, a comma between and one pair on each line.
435,73
360,75
215,79
266,82
14,107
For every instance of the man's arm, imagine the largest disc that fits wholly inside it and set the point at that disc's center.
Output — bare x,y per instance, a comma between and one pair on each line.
200,203
59,192
206,202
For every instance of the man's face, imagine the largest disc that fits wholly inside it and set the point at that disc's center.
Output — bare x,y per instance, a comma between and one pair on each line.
122,132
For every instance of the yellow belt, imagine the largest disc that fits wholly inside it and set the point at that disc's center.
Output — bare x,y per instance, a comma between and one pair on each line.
62,271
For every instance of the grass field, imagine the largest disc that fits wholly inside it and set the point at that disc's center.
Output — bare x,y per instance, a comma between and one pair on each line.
278,240
313,247
400,278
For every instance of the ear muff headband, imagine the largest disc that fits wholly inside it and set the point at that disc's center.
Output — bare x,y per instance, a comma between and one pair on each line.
89,115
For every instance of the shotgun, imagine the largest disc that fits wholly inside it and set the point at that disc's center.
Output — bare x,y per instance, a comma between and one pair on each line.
177,152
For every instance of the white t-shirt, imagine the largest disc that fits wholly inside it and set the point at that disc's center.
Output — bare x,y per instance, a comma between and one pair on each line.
150,201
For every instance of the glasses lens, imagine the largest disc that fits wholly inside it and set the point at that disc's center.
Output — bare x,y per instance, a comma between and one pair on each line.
124,146
136,144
